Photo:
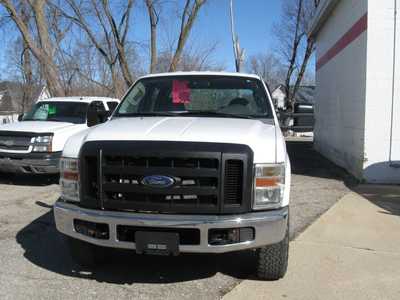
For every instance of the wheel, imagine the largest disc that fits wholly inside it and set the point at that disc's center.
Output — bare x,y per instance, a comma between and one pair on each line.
85,254
272,260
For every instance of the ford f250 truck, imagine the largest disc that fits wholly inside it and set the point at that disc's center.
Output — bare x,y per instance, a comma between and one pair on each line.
189,163
34,144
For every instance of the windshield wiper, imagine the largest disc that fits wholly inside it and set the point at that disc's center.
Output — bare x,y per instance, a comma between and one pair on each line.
148,114
56,120
31,119
204,113
213,114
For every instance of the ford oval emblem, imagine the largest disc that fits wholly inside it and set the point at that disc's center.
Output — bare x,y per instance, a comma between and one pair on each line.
158,181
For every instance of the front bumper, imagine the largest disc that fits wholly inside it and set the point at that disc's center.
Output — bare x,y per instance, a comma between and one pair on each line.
30,163
270,226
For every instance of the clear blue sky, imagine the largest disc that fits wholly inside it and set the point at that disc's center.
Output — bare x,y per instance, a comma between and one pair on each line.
254,21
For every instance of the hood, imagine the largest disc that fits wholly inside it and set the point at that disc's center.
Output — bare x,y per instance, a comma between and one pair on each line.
35,126
260,137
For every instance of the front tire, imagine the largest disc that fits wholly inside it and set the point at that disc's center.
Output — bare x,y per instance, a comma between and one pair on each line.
86,254
272,260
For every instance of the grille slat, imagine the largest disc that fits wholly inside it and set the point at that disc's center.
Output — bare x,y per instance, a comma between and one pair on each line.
140,189
113,170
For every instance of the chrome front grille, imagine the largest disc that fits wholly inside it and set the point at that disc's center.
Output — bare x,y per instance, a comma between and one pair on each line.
16,143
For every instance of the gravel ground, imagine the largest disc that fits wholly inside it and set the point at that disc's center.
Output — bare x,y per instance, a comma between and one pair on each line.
35,264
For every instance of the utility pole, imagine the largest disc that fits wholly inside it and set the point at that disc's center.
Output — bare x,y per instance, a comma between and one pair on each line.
238,52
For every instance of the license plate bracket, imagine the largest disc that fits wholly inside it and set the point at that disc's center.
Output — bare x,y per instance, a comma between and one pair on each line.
157,243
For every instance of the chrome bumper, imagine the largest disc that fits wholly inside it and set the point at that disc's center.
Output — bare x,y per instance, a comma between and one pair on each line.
48,164
270,226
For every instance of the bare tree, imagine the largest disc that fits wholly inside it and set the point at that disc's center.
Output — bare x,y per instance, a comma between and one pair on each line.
188,17
268,66
307,16
112,43
154,18
295,47
195,57
39,43
119,36
26,63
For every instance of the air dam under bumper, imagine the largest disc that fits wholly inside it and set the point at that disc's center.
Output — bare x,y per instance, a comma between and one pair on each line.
270,226
30,163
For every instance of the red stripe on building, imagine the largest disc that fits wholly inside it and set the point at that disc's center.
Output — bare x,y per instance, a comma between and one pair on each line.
358,28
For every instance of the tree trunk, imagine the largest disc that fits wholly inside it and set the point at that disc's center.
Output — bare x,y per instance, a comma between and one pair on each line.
186,27
26,64
47,60
43,53
292,62
119,39
307,55
153,17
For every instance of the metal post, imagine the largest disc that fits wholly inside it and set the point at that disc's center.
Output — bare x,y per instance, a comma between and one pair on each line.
235,40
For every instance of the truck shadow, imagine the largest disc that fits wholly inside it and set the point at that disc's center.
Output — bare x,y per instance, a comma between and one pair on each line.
28,179
308,162
45,248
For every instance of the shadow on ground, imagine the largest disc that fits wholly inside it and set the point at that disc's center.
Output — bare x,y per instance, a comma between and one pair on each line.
306,161
45,247
386,197
28,179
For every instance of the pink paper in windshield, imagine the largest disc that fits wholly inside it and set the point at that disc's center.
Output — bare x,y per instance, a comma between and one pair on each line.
180,92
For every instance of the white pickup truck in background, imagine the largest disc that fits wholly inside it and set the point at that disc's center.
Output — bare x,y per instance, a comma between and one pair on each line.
34,144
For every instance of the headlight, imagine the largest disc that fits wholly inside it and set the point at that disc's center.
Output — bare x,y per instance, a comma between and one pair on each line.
46,139
42,143
69,179
269,185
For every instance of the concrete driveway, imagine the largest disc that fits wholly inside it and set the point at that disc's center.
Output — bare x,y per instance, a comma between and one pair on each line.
351,252
35,264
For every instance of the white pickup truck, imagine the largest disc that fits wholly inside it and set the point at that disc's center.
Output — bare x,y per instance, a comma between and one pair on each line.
189,163
34,144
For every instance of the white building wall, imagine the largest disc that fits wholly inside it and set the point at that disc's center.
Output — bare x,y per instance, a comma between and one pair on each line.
382,132
341,90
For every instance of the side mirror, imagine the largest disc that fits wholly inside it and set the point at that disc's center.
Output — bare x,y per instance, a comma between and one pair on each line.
20,117
92,117
104,115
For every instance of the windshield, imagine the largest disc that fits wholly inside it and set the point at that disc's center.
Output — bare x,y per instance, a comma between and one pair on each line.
218,96
71,112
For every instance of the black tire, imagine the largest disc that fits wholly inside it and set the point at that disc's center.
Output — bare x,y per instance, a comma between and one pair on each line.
272,260
85,254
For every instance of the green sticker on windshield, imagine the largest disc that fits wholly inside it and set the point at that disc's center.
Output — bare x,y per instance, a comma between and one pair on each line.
52,110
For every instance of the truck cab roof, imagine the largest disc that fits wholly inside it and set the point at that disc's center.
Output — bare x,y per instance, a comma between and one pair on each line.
202,73
79,99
